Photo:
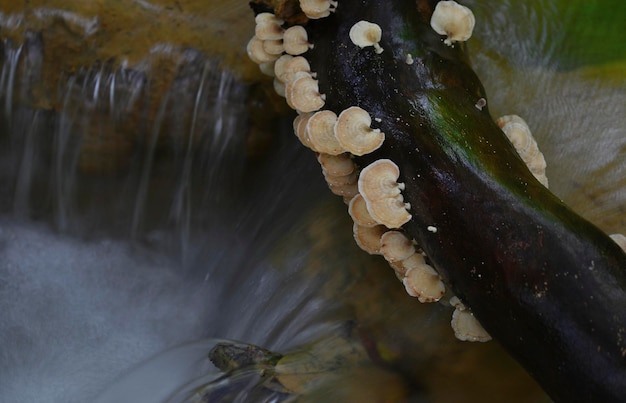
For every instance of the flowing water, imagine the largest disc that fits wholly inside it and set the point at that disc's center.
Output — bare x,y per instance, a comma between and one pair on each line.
137,232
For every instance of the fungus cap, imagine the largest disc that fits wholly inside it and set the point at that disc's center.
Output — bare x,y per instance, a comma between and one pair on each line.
334,180
365,33
268,27
453,20
402,266
358,211
321,134
295,67
303,94
257,52
279,87
299,128
395,246
354,133
279,66
347,191
465,325
273,47
337,165
378,180
296,40
368,238
424,283
267,68
315,9
389,211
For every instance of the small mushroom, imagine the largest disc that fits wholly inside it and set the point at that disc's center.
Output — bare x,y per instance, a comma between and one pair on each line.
358,211
257,52
390,211
321,134
402,266
365,33
395,246
295,67
337,165
299,128
303,94
354,133
268,27
296,40
279,87
620,240
315,9
378,181
368,238
273,47
465,325
453,20
518,133
334,180
347,191
424,283
279,66
267,68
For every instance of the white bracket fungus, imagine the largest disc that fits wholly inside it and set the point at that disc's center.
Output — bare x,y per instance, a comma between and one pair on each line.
453,20
391,212
518,133
295,67
368,238
354,133
273,47
395,246
299,128
296,40
268,27
338,165
315,9
466,327
365,33
321,134
378,181
358,211
378,186
402,266
303,94
257,52
424,283
279,87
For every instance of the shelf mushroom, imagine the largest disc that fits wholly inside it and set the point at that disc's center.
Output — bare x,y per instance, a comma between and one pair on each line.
378,181
453,20
424,283
315,9
354,133
303,94
365,33
321,134
296,40
466,327
395,246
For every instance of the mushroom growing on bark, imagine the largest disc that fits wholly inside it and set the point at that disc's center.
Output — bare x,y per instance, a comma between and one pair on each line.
354,132
365,33
453,20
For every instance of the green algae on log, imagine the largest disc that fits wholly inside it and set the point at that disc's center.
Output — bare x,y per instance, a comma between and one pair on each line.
545,283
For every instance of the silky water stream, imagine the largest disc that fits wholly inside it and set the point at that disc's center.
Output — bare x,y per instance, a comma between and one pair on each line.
139,233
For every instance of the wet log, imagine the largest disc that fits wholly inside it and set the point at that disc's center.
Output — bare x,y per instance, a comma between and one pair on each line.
544,282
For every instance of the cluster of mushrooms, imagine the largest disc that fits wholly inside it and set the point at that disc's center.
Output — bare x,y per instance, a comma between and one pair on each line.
373,195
